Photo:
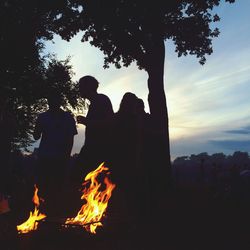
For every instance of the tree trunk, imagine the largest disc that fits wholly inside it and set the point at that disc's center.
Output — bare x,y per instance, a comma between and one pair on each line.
159,114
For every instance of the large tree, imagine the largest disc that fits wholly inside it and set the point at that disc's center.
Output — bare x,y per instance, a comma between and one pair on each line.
126,31
135,30
27,73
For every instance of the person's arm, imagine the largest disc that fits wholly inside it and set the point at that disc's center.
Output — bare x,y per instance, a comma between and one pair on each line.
69,145
81,119
106,116
72,132
38,129
94,122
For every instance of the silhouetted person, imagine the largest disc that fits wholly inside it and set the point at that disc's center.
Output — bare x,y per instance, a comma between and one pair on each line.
7,133
135,161
148,174
96,148
143,127
124,138
56,128
128,169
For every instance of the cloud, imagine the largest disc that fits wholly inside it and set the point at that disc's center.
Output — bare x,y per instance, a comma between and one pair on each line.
240,131
234,145
208,105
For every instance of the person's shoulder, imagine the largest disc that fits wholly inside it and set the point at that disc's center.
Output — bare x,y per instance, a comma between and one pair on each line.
68,114
103,97
70,122
43,115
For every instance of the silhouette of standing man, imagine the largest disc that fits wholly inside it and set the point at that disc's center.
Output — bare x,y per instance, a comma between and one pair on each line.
100,113
56,129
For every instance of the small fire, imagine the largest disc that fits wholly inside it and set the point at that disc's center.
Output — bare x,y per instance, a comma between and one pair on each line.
32,222
93,210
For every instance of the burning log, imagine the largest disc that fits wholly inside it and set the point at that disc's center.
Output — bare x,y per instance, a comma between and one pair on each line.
59,224
92,212
31,223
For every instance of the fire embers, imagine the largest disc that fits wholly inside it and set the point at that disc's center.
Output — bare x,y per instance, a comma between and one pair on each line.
97,190
32,222
96,196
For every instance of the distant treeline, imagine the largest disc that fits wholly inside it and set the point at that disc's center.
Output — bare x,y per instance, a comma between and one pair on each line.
220,172
193,165
201,170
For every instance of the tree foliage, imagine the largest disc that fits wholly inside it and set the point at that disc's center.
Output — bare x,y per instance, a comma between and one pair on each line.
126,30
27,74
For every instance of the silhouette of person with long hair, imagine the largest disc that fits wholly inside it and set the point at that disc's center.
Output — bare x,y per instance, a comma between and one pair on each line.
124,139
128,170
57,129
96,148
133,164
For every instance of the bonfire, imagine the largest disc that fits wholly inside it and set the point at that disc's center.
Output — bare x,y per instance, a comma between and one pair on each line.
96,199
31,223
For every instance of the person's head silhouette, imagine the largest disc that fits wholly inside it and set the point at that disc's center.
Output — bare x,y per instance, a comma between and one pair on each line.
54,101
128,102
139,107
88,87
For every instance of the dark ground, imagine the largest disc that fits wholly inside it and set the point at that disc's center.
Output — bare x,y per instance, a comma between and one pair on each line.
186,220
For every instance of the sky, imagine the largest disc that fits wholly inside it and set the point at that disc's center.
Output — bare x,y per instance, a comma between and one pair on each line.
208,106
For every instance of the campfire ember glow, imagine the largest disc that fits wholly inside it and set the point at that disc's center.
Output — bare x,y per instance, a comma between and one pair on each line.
32,222
96,198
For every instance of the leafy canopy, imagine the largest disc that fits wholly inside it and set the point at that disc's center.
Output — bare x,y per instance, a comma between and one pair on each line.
27,74
126,30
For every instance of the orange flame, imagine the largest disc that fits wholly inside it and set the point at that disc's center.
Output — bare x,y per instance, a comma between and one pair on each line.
93,210
32,222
